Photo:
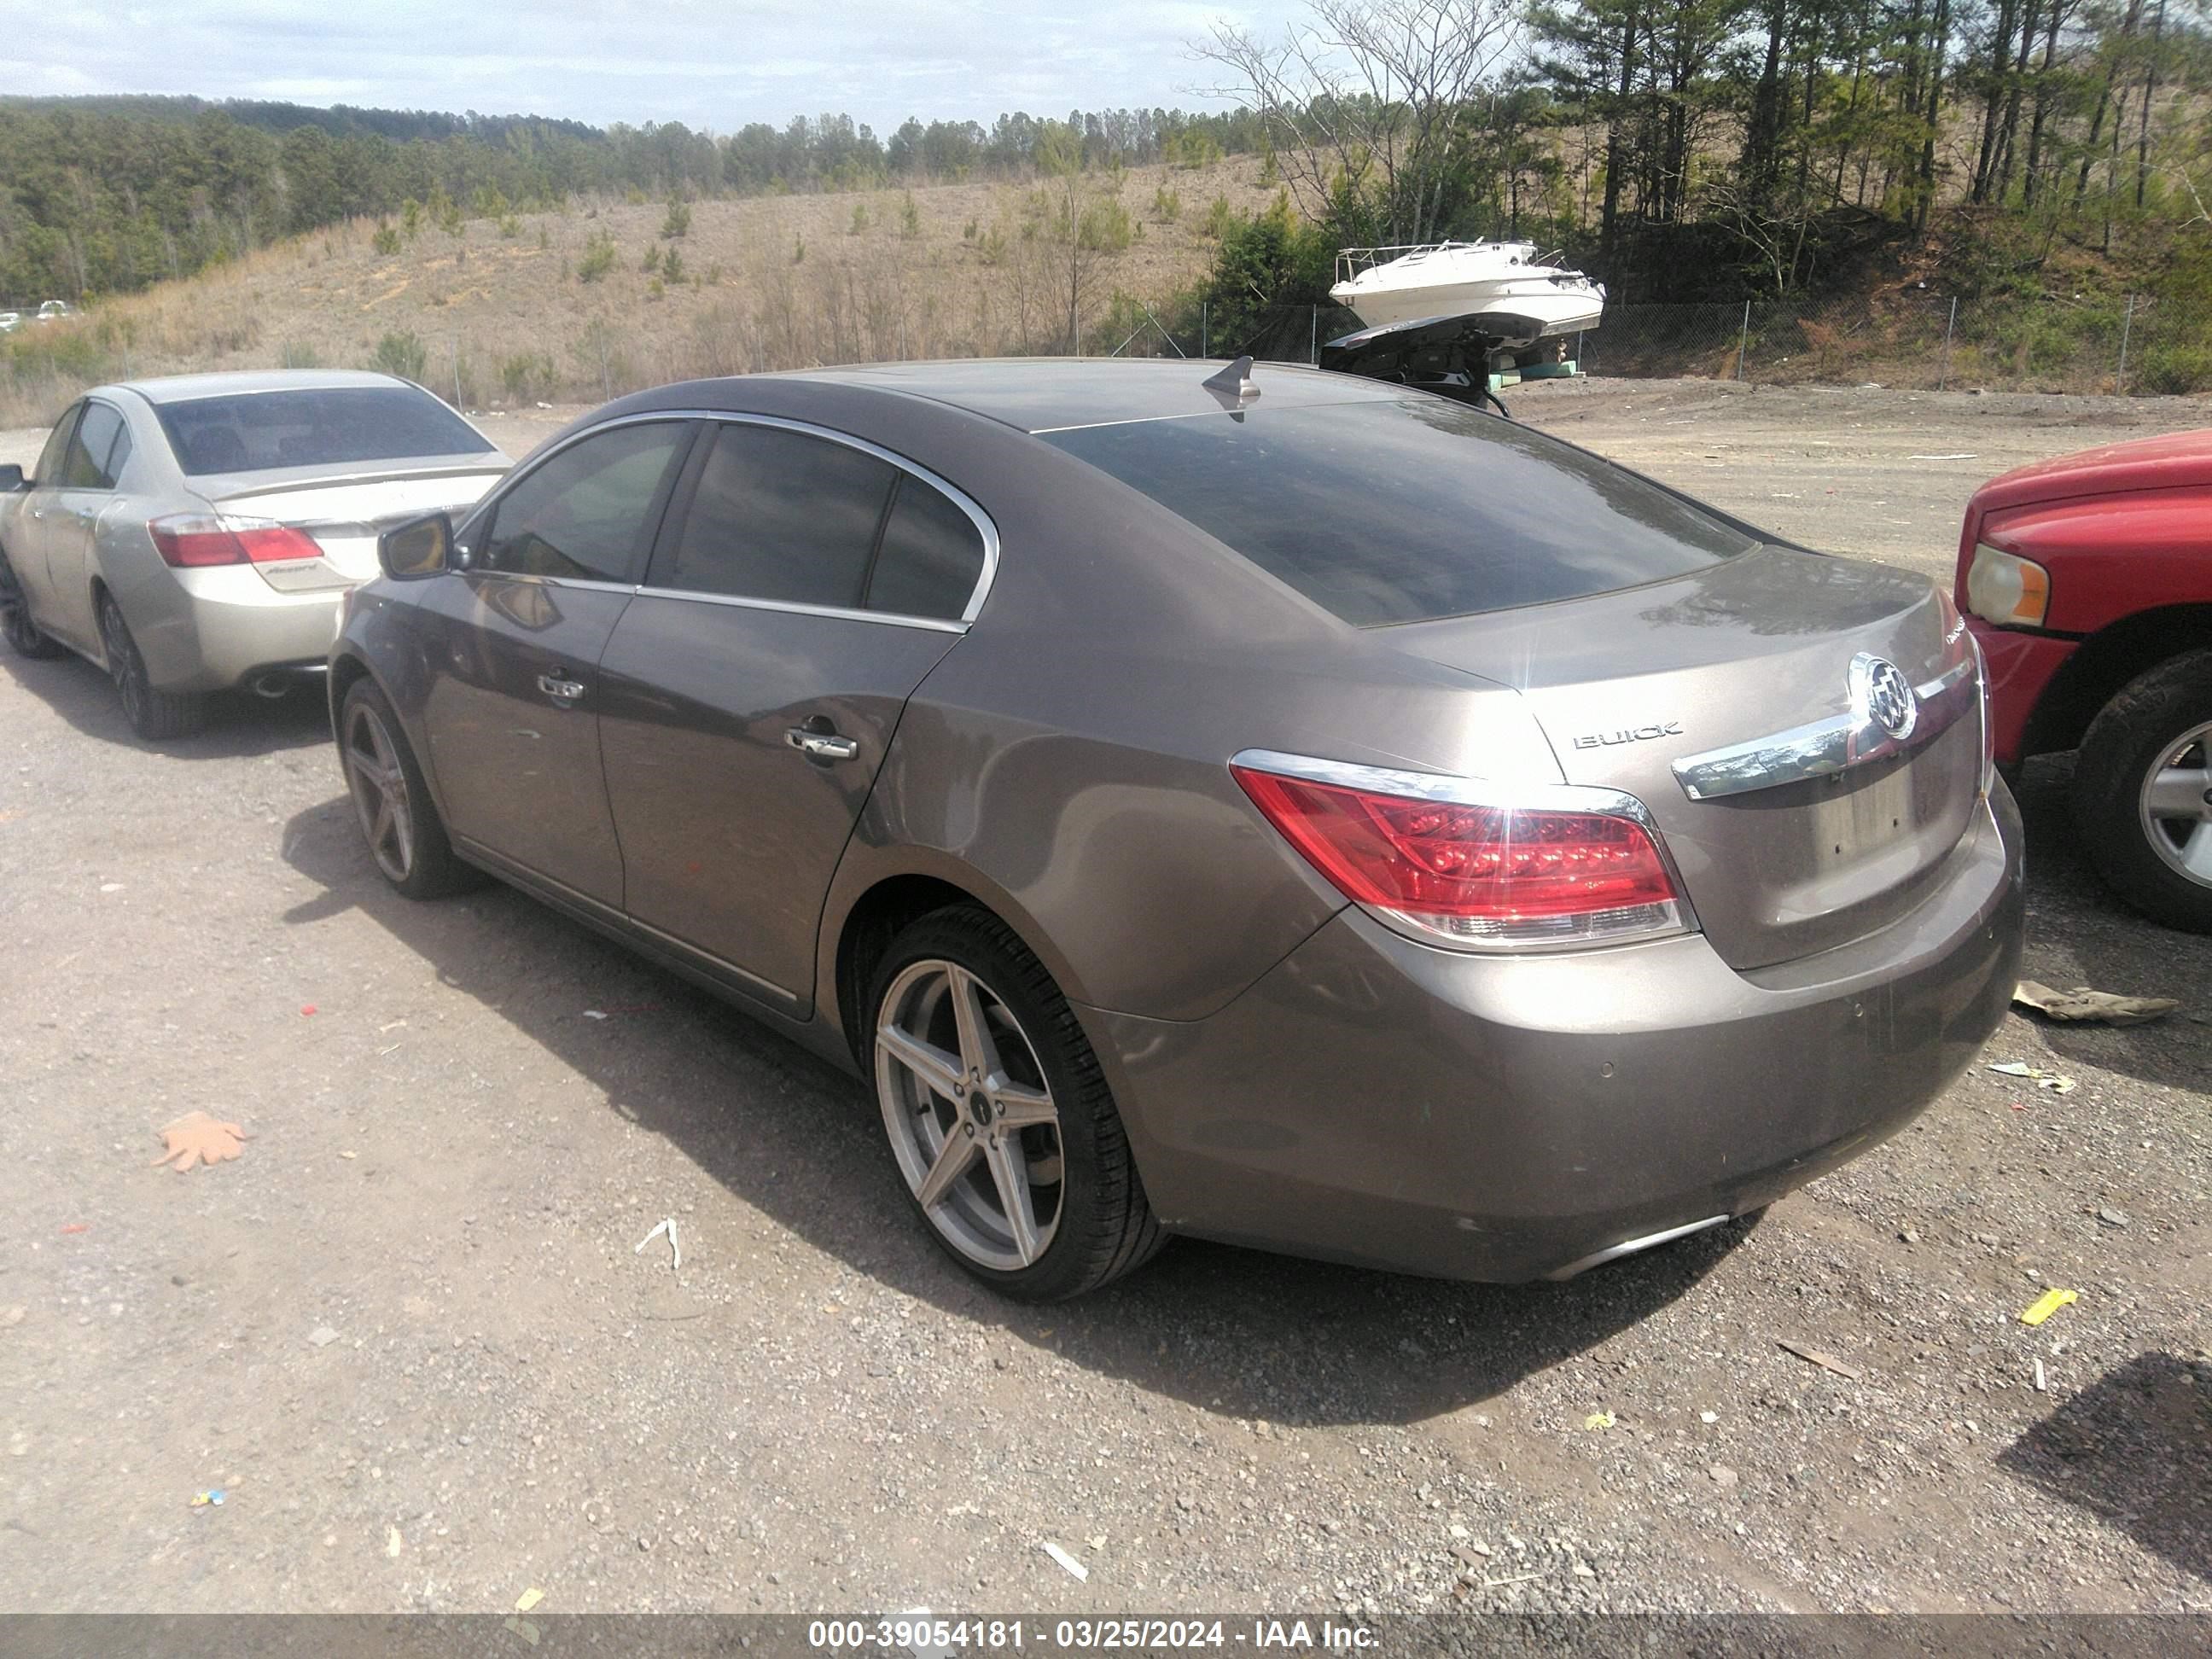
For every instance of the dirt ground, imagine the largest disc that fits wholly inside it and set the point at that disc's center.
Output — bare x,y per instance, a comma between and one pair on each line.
408,1335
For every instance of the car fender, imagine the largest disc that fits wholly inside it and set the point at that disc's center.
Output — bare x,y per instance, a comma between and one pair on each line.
2130,585
122,559
2110,556
1103,822
402,675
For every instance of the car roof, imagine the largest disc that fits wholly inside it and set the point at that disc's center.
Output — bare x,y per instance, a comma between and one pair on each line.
184,388
1053,394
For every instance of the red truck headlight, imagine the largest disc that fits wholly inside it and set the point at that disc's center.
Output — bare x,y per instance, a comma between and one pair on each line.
2006,589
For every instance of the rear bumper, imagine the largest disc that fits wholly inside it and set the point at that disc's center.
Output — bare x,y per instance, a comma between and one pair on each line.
2020,668
1376,1100
210,629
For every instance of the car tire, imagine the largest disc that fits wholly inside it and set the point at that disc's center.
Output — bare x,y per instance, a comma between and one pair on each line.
2160,723
25,637
399,822
155,715
1100,1226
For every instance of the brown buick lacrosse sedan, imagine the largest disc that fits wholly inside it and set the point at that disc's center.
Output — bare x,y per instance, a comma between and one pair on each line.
1255,803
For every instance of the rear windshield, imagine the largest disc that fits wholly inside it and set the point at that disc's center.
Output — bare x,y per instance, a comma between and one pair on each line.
1403,511
255,431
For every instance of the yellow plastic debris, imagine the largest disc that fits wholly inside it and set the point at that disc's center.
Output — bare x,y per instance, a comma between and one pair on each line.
529,1599
1598,1420
2047,1305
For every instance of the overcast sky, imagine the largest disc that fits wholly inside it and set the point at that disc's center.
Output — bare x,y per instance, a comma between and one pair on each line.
715,63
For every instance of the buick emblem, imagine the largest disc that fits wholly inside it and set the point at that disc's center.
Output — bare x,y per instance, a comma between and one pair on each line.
1881,693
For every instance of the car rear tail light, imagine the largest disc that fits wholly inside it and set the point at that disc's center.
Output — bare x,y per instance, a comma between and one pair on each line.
2006,589
191,540
1457,861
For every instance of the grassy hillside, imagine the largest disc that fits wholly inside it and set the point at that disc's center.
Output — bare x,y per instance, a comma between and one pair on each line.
502,313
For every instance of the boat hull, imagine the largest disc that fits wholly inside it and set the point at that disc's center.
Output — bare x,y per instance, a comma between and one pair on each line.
1560,308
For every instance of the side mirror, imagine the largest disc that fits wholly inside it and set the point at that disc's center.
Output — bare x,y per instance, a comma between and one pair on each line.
11,479
423,547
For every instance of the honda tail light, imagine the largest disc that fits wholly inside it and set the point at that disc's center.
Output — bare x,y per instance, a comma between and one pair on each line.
191,540
1462,862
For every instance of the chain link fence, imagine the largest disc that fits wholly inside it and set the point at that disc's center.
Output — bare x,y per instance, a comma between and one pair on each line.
2136,344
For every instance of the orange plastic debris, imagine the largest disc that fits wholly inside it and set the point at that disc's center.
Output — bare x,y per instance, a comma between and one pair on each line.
196,1138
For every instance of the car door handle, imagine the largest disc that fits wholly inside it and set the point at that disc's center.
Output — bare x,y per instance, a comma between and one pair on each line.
562,691
821,746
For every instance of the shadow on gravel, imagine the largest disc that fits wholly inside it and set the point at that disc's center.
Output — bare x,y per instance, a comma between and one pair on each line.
240,726
2078,933
2134,1449
1254,1335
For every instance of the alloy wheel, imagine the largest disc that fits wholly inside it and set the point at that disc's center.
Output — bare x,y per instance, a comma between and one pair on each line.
971,1118
15,613
379,787
2175,804
124,666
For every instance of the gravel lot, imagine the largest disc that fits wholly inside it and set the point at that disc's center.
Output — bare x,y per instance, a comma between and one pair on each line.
408,1335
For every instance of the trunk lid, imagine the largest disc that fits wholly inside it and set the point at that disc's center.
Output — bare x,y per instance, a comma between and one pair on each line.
1626,684
344,515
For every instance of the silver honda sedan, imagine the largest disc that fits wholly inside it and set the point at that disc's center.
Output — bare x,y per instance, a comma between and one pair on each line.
1259,804
197,533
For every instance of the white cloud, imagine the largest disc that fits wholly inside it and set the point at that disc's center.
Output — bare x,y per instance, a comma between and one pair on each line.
701,62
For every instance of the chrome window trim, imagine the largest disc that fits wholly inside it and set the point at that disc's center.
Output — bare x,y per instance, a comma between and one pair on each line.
1677,918
959,497
793,607
583,584
887,618
1825,748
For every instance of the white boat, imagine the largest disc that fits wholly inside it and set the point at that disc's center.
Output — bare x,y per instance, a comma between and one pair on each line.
1388,286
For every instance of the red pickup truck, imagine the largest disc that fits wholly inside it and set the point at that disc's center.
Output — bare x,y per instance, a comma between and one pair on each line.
2087,580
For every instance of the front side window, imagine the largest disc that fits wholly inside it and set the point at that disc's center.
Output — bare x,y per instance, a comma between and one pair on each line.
91,462
50,458
589,512
780,515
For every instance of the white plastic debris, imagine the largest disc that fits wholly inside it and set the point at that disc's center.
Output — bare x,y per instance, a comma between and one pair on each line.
2083,1004
667,1224
2054,1081
1067,1560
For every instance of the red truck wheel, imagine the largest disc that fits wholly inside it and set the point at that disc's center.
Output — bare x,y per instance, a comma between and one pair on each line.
2142,791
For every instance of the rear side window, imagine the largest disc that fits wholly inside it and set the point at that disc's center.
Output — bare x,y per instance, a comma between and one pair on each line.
1409,510
780,515
930,558
322,426
98,451
589,512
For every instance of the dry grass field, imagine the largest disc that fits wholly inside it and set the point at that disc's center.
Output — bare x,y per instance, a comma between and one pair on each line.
505,319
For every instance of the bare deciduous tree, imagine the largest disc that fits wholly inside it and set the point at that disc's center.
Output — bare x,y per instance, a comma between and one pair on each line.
1364,100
